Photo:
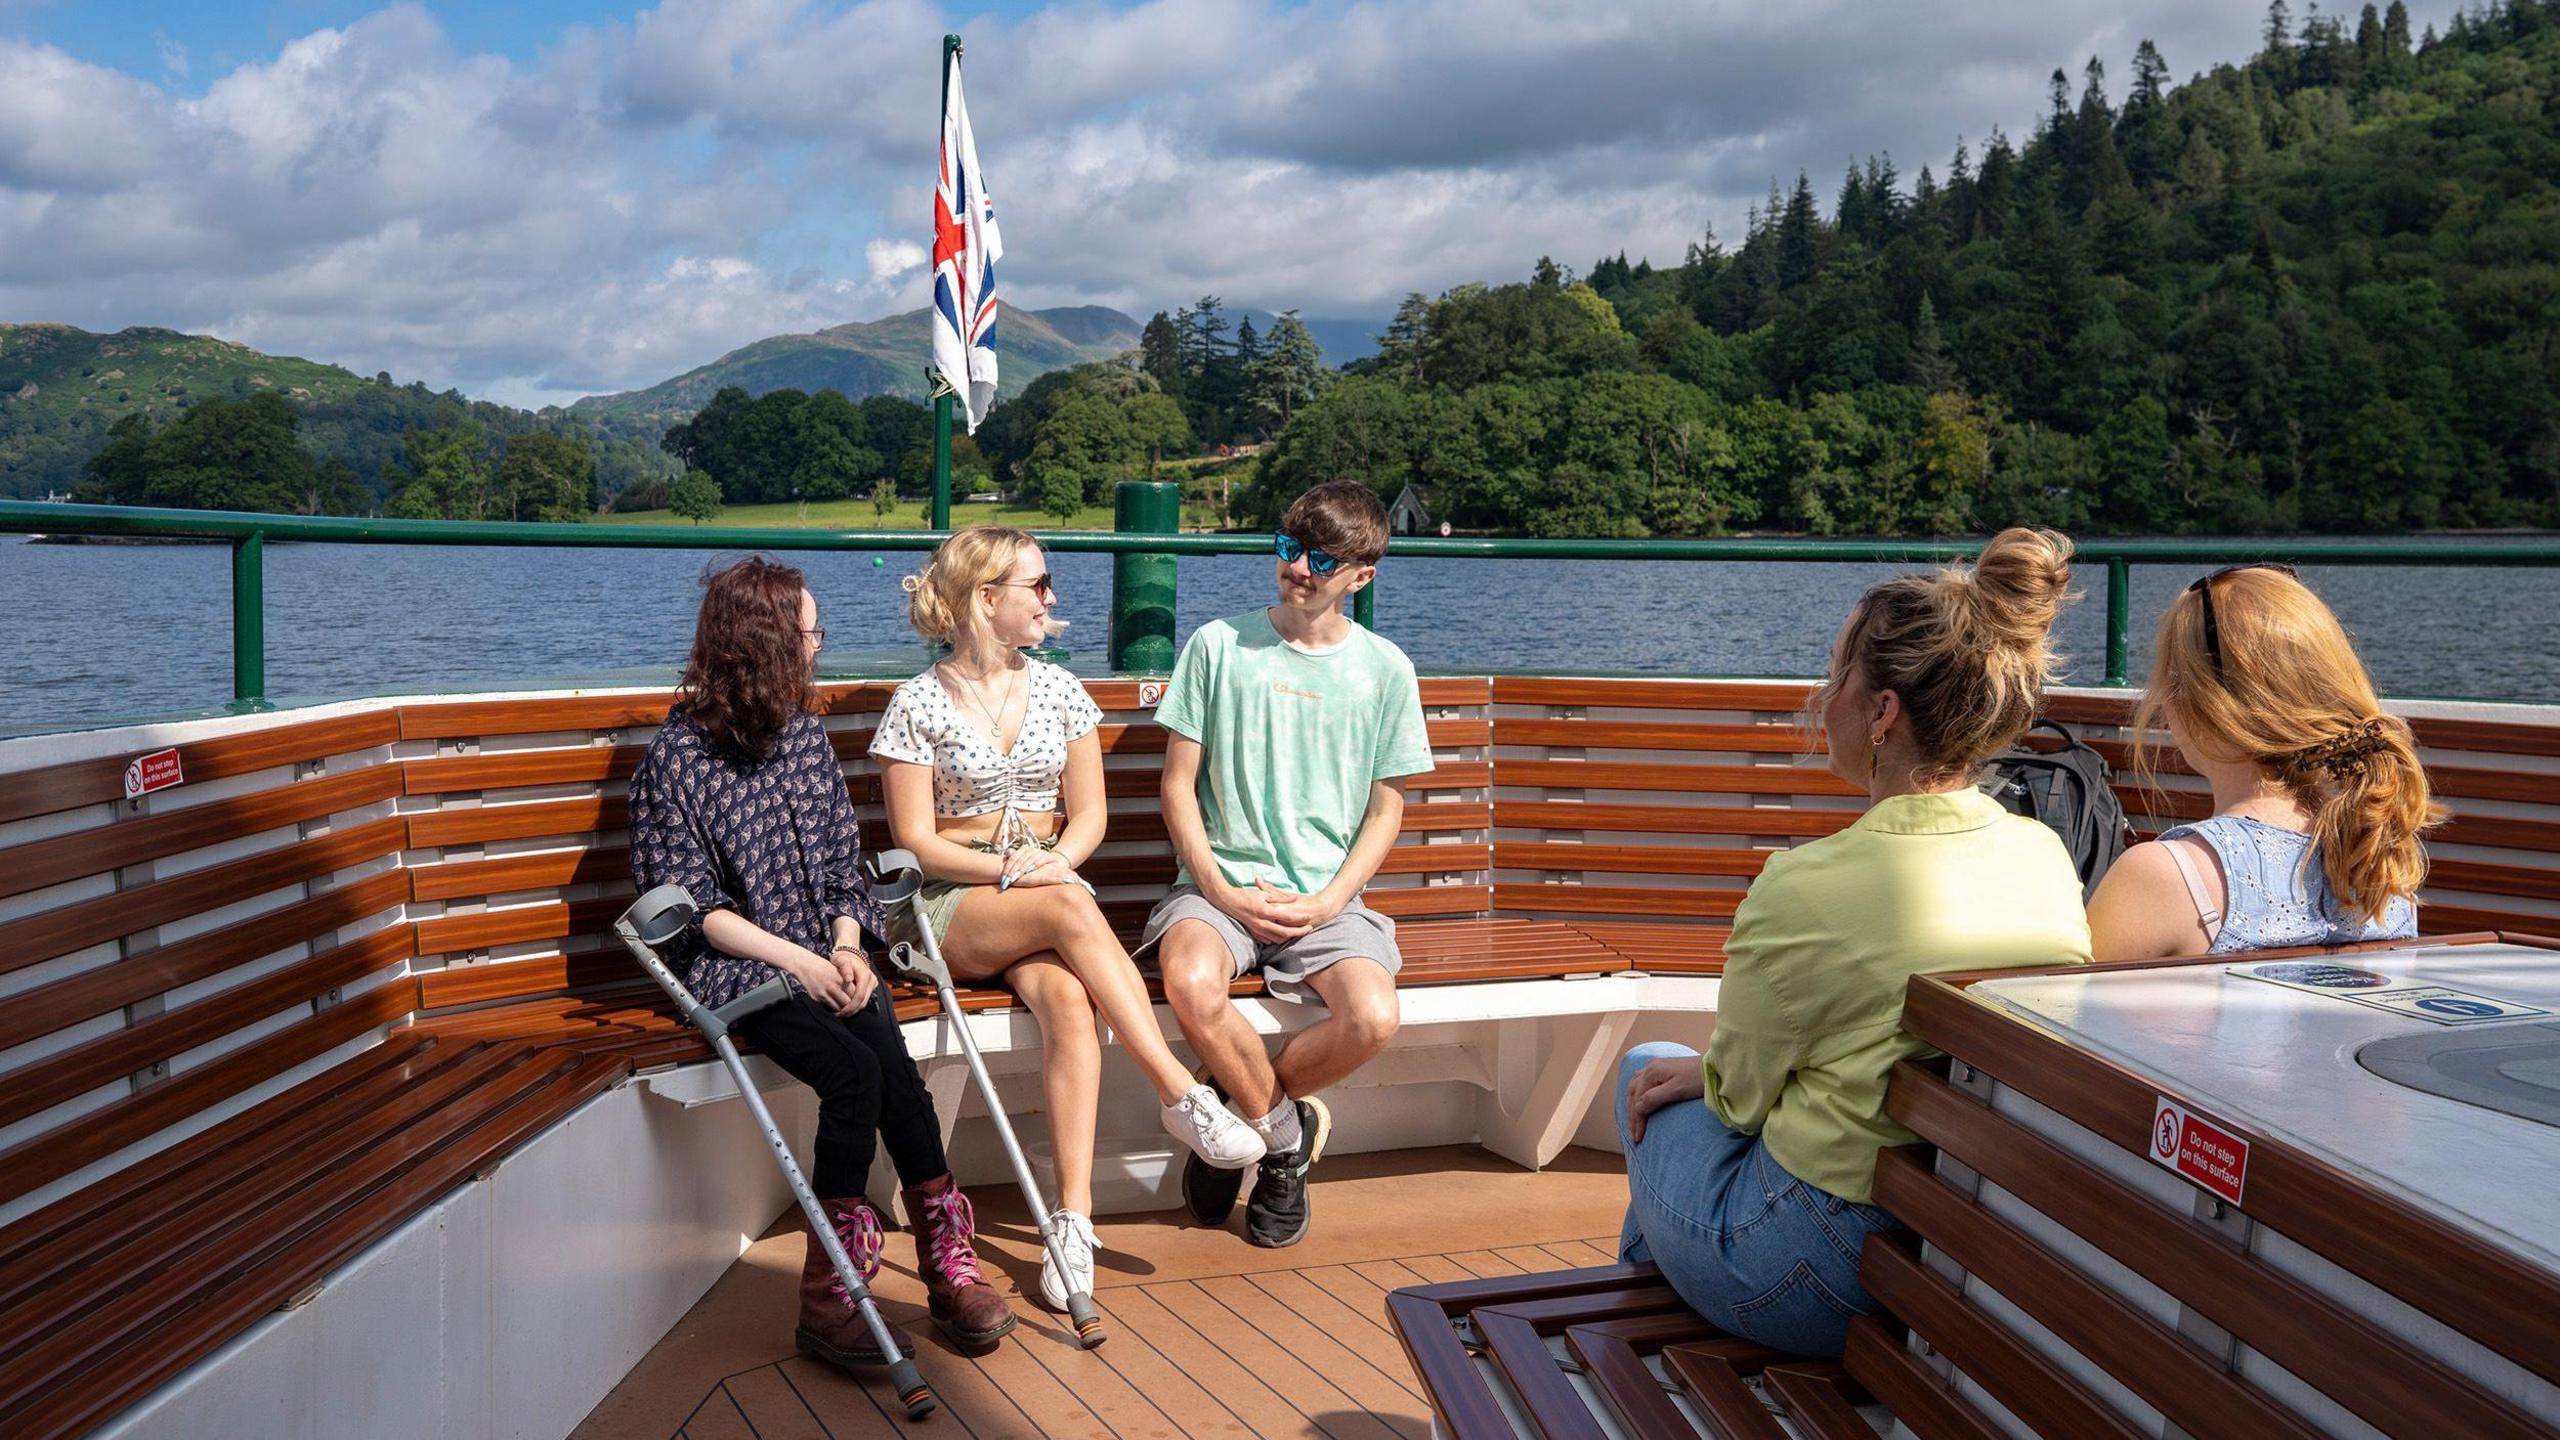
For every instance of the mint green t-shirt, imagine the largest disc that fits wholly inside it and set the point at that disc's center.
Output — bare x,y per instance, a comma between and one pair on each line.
1290,741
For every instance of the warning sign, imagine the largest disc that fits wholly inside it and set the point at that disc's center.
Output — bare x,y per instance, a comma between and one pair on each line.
2204,1152
2447,1007
1149,692
155,771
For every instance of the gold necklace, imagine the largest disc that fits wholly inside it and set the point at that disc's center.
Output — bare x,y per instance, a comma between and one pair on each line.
995,717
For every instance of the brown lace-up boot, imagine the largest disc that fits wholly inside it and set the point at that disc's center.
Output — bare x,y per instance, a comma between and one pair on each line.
831,1329
966,1307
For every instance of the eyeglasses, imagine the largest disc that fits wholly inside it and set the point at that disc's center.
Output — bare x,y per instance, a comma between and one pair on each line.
1038,584
2203,590
819,635
1288,547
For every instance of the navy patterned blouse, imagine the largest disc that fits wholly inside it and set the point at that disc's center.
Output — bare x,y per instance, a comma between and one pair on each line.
776,841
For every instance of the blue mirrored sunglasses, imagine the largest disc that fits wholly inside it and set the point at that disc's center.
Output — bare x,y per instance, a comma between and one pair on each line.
1289,548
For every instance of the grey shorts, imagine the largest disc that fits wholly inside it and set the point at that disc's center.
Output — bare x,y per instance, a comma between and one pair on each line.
1357,933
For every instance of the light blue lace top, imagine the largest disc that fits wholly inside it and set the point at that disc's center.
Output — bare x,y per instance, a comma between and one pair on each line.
2271,898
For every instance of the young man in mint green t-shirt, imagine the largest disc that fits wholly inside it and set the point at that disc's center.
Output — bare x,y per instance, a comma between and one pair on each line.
1292,733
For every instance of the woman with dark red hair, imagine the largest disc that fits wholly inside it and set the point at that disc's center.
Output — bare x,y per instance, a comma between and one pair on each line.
741,800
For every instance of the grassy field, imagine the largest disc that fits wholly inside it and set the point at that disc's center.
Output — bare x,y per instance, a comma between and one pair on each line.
857,514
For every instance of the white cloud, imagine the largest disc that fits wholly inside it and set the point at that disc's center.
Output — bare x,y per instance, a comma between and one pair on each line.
647,194
890,259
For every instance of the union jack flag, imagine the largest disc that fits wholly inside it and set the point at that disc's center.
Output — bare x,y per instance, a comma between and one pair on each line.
966,247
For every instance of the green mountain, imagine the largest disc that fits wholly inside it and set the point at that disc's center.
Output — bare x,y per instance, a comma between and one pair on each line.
61,387
876,357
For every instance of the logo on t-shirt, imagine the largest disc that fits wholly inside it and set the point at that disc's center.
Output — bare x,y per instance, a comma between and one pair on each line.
1283,687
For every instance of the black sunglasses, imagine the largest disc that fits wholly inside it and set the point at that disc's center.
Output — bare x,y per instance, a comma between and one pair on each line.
2203,590
1038,584
1289,547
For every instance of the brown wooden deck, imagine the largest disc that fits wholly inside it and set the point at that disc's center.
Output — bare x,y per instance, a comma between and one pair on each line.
1209,1335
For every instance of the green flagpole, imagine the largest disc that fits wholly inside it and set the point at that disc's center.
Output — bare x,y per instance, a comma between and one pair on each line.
942,461
942,398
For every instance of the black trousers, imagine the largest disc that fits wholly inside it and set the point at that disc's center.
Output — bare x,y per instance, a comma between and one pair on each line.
866,1084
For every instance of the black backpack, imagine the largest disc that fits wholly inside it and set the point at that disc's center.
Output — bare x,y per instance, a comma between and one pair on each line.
2071,790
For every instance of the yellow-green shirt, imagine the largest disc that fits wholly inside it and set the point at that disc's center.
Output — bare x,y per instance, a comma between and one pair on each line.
1809,1018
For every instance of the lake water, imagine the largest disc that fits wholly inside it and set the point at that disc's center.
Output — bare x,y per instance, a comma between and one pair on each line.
106,633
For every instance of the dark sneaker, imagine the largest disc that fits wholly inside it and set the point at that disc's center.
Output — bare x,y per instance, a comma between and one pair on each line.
1208,1192
1276,1215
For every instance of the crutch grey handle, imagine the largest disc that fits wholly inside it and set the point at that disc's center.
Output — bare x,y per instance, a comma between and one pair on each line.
892,876
764,997
657,917
912,964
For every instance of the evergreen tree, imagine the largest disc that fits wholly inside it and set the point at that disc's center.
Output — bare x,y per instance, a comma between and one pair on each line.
2143,137
2099,169
1963,218
1798,237
1160,353
2275,49
1849,213
1400,349
1885,205
1993,187
1292,373
1930,370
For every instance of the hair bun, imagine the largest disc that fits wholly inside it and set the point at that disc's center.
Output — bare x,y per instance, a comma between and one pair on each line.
2019,584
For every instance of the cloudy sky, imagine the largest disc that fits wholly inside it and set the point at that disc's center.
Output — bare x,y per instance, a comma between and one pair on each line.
547,198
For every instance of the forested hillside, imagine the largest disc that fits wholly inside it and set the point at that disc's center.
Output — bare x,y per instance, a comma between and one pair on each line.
2317,290
63,392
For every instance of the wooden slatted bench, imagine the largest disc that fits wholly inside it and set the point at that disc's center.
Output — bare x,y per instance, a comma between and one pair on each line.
1567,1348
191,960
514,884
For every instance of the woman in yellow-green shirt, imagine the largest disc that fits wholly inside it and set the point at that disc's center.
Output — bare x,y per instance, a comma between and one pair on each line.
1755,1202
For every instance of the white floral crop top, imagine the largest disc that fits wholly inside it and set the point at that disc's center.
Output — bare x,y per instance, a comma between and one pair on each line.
923,726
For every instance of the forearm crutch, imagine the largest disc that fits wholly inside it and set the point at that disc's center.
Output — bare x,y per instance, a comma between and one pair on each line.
652,921
895,878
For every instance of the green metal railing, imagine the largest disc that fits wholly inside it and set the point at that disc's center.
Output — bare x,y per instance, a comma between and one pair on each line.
1142,579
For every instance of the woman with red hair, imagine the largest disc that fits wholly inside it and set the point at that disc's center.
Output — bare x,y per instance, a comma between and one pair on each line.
741,800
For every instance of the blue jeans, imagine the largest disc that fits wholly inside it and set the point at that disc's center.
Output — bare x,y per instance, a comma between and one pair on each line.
1753,1249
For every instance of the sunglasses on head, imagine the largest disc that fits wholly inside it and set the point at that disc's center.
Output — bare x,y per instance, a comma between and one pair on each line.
1289,547
2202,589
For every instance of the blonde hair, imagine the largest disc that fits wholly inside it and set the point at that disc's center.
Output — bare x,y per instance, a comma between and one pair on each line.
1967,650
2291,697
941,597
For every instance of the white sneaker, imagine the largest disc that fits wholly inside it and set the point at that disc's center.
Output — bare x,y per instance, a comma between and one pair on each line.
1075,1240
1202,1121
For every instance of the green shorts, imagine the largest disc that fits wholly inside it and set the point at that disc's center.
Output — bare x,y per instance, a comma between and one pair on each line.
938,900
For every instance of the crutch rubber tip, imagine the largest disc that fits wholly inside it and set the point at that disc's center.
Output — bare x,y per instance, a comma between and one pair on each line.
1089,1331
912,1391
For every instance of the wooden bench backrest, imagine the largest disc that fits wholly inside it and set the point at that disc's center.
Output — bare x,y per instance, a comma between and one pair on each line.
519,846
1650,799
171,958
